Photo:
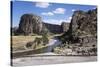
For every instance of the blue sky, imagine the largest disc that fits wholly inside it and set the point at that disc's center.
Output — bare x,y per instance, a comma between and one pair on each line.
53,13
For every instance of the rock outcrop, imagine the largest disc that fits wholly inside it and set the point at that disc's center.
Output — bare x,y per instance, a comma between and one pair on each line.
14,30
52,28
29,24
83,27
84,23
65,26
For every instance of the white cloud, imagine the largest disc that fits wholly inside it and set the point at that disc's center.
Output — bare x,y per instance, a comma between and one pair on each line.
73,10
55,21
48,14
94,8
69,19
59,11
42,4
56,11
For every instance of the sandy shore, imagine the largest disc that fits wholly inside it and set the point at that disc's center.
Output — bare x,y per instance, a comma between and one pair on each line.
41,60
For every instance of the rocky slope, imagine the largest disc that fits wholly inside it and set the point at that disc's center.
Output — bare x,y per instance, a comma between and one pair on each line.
81,38
83,27
84,22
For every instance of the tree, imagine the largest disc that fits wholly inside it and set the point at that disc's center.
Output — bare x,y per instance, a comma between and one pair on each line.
37,41
45,39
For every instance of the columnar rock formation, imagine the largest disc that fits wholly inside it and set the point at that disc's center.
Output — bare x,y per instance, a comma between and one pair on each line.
29,24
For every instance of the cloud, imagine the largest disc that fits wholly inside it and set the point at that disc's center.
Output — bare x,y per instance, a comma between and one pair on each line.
73,10
59,11
42,4
69,19
55,21
94,8
48,14
56,11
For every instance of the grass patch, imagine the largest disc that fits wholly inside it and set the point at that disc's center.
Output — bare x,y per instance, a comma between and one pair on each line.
18,42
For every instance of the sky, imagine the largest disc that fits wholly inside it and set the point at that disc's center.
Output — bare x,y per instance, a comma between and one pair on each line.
54,13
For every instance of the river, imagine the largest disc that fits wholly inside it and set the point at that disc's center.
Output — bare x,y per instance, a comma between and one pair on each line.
48,48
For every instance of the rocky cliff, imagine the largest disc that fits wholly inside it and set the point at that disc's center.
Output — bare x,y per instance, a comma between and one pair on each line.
83,27
29,24
65,26
52,28
84,23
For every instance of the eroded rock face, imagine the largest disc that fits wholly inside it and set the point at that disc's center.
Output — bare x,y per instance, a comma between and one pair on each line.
29,24
52,28
87,40
84,22
84,25
65,26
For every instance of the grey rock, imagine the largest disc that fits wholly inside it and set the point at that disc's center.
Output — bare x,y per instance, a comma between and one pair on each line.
65,26
29,24
83,28
53,28
84,22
